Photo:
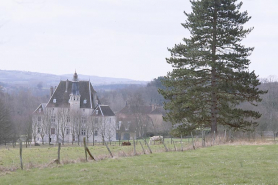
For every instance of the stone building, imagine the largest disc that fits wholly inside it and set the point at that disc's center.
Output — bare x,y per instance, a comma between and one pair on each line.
72,113
141,121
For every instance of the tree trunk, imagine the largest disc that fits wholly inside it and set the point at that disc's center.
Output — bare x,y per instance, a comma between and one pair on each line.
213,78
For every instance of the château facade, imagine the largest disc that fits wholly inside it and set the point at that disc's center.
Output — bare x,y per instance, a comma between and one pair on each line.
72,113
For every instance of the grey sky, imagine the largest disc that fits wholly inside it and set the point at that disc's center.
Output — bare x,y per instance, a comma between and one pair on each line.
114,38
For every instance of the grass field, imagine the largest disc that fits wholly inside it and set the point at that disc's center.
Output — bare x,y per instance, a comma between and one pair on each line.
224,164
39,156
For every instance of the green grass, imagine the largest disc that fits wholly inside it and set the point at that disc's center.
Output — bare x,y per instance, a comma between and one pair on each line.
45,154
226,164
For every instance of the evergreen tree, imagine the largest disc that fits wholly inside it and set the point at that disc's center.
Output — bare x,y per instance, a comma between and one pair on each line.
210,76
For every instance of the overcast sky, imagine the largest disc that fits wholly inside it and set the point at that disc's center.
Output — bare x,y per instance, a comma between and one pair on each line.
115,38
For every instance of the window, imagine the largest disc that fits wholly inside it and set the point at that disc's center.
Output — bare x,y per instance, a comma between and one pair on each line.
85,101
96,132
40,109
119,125
67,131
39,118
52,130
96,112
96,120
127,125
68,119
54,100
83,132
39,130
52,119
110,120
83,120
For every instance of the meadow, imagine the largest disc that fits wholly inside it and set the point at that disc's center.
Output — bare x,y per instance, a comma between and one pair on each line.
221,164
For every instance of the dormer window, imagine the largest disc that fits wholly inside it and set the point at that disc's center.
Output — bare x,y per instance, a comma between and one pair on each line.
54,100
85,101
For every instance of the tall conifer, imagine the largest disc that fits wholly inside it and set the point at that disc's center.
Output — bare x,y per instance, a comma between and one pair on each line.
210,76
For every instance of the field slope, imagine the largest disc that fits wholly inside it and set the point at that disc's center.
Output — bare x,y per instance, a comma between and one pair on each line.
228,164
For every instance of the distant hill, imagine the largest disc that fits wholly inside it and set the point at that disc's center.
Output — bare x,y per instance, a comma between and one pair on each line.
10,78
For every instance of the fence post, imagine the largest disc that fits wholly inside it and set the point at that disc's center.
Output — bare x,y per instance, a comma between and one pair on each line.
84,141
134,147
213,137
142,147
108,149
166,149
148,146
181,144
59,148
87,149
20,155
225,137
192,141
175,146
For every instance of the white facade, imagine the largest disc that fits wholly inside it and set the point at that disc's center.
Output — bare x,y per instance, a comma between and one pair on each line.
72,113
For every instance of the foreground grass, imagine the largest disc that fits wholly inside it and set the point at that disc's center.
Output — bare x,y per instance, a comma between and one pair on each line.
241,164
37,156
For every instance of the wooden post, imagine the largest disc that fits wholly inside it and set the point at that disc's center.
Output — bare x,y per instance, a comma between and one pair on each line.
181,144
59,148
166,149
148,146
108,149
171,140
192,141
142,147
175,146
87,149
134,147
213,137
84,140
225,137
20,155
202,138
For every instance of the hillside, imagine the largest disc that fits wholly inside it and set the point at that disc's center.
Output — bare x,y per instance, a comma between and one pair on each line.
10,78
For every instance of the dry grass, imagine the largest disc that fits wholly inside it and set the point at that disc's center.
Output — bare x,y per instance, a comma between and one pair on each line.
75,154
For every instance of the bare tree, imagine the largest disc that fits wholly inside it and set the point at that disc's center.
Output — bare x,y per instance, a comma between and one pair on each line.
35,126
63,116
110,128
76,124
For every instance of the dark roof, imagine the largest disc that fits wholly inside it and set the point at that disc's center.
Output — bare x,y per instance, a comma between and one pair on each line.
158,110
40,107
62,95
103,110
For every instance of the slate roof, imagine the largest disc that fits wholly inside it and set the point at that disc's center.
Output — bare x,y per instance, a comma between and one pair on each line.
103,110
42,107
159,110
62,95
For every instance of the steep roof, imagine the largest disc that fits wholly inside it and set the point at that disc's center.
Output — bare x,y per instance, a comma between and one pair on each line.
159,110
63,91
103,110
40,108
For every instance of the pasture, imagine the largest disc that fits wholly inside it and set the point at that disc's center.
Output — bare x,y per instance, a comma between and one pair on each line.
222,164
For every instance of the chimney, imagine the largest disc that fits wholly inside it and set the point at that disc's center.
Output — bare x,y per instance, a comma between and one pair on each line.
67,84
51,91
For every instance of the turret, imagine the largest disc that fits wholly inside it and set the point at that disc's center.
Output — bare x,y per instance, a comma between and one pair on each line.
75,95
